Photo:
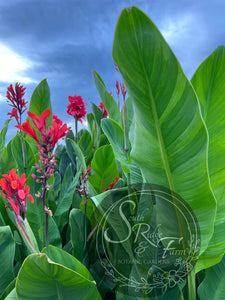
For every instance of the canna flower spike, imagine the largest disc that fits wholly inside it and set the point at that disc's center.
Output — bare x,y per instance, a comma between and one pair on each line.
47,141
15,99
48,138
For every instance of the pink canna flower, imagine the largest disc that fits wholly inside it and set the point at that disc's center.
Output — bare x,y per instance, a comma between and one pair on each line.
76,108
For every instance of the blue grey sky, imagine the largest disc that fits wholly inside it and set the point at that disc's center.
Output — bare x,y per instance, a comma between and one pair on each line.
62,40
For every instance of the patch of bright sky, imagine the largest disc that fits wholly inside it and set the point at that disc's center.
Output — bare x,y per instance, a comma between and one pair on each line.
13,66
185,33
177,28
80,126
2,98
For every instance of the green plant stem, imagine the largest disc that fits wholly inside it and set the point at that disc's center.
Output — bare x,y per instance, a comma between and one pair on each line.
76,128
125,125
93,136
85,215
24,153
46,214
118,103
25,236
23,145
191,286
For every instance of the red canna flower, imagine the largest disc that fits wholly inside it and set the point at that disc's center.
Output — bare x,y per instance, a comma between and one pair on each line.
46,142
15,99
57,120
13,188
29,130
15,207
56,132
50,138
104,111
13,114
112,184
76,108
40,122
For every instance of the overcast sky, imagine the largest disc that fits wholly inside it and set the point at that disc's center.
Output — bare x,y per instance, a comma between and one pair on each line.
62,40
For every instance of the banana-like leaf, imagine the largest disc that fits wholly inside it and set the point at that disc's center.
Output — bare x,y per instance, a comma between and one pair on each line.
107,99
209,84
40,99
115,135
74,151
65,198
3,134
7,250
26,161
60,277
7,161
213,286
78,232
104,169
171,140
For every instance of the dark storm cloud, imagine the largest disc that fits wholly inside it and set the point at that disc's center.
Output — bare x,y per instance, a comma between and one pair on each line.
65,39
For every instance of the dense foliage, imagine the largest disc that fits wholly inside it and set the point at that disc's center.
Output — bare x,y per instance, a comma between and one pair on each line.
169,132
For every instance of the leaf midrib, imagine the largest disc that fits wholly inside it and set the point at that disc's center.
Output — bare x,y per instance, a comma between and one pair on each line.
156,119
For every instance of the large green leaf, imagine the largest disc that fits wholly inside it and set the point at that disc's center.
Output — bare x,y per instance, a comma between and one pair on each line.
7,250
25,161
78,234
107,99
209,84
3,134
12,295
213,286
93,128
65,198
75,152
6,159
86,145
175,294
115,135
40,99
104,169
171,140
61,277
97,113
